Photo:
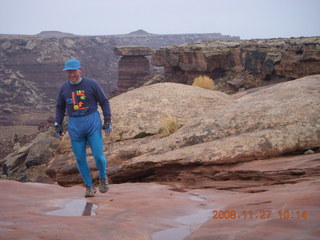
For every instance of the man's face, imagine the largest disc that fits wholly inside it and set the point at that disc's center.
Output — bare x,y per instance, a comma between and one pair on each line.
74,75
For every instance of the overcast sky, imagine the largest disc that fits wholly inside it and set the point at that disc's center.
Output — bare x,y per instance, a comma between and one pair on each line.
245,18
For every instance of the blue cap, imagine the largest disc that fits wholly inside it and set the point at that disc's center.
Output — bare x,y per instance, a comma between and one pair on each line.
72,64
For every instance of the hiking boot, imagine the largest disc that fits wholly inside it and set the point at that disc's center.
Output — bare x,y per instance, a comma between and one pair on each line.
103,186
90,191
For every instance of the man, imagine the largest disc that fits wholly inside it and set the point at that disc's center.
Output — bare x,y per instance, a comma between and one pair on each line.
80,97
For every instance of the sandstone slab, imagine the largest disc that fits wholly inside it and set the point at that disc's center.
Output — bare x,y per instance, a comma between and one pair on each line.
143,109
181,210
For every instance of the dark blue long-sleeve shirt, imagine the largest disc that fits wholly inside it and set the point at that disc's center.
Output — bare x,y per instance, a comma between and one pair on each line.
81,99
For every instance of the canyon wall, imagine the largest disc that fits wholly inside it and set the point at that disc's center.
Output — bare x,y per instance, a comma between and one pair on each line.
31,66
38,61
241,64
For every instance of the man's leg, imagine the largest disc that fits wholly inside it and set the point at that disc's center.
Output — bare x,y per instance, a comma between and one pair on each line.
79,150
96,144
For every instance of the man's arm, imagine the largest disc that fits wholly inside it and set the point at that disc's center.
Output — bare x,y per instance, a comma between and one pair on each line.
103,102
105,106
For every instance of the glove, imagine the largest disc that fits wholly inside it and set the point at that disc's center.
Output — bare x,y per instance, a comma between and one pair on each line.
58,130
107,127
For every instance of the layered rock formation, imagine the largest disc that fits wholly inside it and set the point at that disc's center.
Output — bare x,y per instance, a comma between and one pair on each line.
134,67
245,64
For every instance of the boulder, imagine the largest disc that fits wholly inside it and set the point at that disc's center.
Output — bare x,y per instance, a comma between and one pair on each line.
278,120
41,151
142,110
38,152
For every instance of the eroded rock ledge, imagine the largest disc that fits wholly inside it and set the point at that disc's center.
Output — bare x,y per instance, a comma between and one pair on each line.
236,64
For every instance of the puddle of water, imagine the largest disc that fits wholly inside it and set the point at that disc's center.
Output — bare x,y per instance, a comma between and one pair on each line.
188,223
200,217
172,234
77,207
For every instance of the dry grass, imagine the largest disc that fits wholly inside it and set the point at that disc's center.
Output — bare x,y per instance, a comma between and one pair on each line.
169,126
204,82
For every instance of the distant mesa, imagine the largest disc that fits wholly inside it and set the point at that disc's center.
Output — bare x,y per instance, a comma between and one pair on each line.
140,32
54,33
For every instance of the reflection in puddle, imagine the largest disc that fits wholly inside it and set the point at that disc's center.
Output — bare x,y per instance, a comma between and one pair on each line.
78,207
88,209
188,224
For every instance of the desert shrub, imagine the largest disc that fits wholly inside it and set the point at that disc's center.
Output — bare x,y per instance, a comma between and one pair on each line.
169,126
204,82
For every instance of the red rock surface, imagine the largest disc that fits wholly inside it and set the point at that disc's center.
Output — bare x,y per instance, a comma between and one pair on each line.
175,210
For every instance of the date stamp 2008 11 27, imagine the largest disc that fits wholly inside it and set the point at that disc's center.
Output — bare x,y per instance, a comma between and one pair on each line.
262,214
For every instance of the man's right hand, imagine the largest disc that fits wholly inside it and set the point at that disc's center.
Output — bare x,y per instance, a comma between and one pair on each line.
58,131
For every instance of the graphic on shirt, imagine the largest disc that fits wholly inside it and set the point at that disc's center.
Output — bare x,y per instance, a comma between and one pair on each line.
78,99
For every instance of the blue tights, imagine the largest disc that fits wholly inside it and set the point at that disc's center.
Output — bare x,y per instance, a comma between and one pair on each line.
79,150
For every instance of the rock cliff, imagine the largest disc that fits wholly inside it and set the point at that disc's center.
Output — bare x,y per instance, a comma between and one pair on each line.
241,64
